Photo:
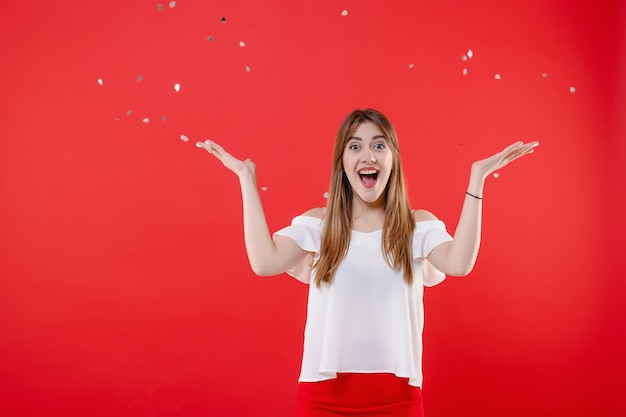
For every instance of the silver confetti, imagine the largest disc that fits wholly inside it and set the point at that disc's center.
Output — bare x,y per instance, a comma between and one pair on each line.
139,77
210,38
242,43
463,57
496,174
172,4
344,12
544,75
223,20
411,65
248,69
464,71
184,138
497,77
163,118
160,6
146,120
100,81
326,195
177,87
572,89
264,188
128,113
470,53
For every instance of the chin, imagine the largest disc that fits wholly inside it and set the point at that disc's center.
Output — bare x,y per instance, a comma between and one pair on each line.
372,199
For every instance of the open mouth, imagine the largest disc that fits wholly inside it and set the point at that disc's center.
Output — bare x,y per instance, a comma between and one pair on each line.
368,177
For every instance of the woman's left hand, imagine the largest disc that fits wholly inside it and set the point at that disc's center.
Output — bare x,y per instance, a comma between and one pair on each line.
495,162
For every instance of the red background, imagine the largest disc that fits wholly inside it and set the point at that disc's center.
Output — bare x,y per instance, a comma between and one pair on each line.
124,285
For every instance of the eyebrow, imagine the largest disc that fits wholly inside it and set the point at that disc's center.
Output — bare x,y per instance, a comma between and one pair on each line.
375,137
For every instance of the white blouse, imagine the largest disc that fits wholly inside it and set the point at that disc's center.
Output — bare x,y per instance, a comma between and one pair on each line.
367,320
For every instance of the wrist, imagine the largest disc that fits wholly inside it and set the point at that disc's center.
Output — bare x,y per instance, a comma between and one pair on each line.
246,177
478,172
473,195
476,182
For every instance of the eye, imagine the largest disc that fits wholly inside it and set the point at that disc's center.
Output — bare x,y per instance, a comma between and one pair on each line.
380,145
353,146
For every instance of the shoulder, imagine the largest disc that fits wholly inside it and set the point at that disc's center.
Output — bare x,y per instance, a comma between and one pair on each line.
317,212
423,215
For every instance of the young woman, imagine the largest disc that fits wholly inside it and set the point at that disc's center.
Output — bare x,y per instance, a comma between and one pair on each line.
367,257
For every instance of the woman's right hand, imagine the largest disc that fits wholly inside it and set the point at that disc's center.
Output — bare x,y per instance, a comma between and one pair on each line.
266,256
238,166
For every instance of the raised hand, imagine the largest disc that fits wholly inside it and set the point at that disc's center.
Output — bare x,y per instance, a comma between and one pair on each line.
238,166
509,154
266,256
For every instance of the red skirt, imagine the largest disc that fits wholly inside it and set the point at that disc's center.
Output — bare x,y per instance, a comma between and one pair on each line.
371,395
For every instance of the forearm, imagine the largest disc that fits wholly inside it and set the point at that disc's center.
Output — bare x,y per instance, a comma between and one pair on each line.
463,250
259,244
266,256
458,256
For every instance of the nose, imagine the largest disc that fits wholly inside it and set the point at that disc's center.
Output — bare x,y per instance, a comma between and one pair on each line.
368,156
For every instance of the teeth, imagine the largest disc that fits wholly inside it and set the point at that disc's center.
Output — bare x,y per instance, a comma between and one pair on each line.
368,172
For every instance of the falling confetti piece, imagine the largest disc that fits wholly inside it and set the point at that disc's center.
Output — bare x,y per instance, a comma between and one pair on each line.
177,87
210,38
128,113
544,75
160,6
470,54
344,13
572,90
146,120
172,4
497,77
411,65
248,69
463,57
184,138
139,77
264,188
163,118
496,174
242,44
100,81
223,20
464,71
326,195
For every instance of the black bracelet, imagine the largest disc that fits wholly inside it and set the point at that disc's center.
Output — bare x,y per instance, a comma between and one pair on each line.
472,195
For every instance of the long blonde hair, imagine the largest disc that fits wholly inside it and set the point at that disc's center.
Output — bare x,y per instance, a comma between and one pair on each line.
399,223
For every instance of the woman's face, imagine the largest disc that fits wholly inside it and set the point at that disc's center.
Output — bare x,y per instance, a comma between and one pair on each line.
367,162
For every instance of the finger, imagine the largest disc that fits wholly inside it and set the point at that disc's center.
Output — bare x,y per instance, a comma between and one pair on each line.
529,148
210,148
203,145
520,148
511,147
216,149
512,156
529,145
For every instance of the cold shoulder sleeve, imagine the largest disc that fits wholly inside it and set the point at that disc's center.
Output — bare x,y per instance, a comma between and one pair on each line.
306,231
428,235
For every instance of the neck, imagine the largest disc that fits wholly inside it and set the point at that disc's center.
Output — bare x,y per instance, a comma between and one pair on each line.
367,216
